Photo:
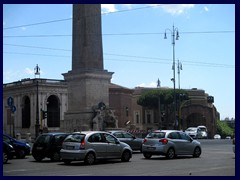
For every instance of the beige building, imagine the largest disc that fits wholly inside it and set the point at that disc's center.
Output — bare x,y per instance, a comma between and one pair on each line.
53,98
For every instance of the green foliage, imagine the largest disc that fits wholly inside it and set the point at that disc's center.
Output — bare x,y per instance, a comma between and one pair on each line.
224,129
150,99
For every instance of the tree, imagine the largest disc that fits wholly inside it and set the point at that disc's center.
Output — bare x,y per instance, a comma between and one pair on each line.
224,129
150,98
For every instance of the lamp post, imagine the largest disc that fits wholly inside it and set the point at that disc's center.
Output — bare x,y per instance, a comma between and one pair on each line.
174,32
159,104
37,125
179,66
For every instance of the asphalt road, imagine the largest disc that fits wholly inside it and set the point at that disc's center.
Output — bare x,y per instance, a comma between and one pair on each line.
217,159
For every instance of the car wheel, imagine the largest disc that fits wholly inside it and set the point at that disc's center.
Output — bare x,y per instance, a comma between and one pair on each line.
147,155
66,161
197,152
38,158
170,153
126,156
21,154
5,158
56,157
90,158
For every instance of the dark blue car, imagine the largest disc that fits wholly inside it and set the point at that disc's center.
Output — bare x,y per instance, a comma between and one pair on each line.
21,148
48,145
8,152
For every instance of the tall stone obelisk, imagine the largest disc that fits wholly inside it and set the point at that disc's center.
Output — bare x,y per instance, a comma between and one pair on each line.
88,82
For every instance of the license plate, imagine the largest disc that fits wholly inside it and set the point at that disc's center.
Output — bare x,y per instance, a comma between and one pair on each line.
69,147
151,148
39,148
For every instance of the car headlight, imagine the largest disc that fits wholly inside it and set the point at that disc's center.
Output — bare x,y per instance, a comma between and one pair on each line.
28,145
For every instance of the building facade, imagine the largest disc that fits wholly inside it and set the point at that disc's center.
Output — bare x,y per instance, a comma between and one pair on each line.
53,98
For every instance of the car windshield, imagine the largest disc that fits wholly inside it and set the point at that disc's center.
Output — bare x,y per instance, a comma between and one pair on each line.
43,139
156,135
75,138
203,129
59,139
191,129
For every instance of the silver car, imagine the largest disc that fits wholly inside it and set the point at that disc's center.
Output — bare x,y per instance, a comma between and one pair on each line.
134,142
89,146
170,143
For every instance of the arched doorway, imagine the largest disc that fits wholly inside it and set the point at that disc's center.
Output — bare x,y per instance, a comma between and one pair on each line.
53,111
26,112
195,119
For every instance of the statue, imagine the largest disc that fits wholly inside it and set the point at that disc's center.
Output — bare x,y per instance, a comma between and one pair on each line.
104,118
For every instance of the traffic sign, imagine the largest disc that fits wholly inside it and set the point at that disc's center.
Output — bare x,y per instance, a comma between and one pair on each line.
13,109
10,101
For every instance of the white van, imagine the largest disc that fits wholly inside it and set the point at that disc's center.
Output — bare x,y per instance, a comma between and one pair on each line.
203,131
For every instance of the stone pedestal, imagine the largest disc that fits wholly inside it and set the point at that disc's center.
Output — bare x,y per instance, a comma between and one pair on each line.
85,90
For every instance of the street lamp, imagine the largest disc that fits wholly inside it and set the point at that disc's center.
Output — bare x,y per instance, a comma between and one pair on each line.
174,32
37,125
179,66
159,104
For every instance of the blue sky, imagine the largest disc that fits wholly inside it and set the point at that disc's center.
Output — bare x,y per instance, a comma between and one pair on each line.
134,47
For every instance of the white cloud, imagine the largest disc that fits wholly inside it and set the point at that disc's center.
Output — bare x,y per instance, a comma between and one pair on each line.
23,28
149,85
206,9
174,9
107,8
28,71
10,76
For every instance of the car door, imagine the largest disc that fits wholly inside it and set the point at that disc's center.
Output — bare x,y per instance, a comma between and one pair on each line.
113,146
176,141
186,144
98,144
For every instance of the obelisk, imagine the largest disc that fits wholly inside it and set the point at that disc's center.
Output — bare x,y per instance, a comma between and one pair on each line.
88,82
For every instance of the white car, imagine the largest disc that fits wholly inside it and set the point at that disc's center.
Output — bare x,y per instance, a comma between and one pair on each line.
203,132
193,132
217,136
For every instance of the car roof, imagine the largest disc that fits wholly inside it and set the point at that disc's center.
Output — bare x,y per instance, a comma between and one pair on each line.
54,133
88,132
166,131
202,126
114,131
192,127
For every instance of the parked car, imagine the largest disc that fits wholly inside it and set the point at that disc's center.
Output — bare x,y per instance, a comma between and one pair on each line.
8,152
21,148
217,136
134,142
48,145
89,146
228,137
194,132
170,143
203,132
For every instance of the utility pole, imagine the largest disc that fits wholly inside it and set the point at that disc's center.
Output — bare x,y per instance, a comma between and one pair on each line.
174,32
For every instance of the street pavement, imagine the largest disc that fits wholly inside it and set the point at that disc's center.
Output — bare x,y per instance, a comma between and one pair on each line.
217,159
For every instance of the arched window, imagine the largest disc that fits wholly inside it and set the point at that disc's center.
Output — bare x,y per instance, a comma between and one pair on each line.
53,111
26,112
